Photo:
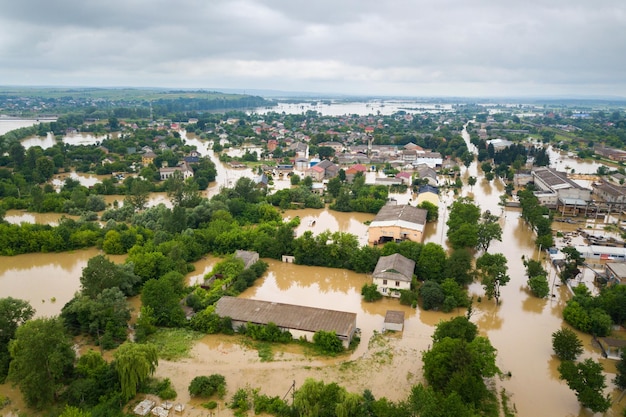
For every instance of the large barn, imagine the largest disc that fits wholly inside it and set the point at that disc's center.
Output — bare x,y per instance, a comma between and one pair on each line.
299,320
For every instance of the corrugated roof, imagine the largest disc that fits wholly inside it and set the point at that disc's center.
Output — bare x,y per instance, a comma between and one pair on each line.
287,316
394,316
394,267
403,212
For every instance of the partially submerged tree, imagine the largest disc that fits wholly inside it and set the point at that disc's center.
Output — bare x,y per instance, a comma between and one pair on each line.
134,364
566,344
42,359
492,270
13,313
586,379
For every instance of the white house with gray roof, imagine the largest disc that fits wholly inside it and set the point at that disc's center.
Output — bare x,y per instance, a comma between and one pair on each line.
393,273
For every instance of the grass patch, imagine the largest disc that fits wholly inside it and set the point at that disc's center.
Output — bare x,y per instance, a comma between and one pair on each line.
265,352
174,344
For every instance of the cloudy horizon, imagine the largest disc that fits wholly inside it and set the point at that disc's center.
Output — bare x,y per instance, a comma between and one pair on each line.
454,48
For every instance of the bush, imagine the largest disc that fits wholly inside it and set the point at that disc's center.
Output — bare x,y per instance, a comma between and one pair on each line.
370,293
205,386
327,342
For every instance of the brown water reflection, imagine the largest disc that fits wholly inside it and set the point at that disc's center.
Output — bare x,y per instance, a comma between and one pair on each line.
319,220
46,280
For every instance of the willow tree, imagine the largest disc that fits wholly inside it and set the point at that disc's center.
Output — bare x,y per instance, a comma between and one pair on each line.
134,363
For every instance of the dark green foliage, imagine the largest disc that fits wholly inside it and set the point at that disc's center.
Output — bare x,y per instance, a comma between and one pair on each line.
457,328
163,296
327,342
104,317
42,359
100,274
13,313
267,333
432,295
566,344
370,292
588,382
205,386
206,321
408,297
535,214
160,387
459,266
431,263
463,224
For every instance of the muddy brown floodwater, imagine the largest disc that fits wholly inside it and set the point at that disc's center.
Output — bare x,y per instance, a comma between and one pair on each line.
519,328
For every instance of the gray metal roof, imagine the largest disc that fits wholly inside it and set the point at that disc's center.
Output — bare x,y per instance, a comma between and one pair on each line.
401,212
394,316
394,267
287,316
554,178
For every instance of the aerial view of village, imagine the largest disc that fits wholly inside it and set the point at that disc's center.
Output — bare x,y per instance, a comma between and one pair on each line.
317,209
412,257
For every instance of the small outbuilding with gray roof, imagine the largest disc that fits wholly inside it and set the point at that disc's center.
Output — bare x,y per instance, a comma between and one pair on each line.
301,321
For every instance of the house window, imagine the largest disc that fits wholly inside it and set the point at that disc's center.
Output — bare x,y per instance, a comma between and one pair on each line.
384,282
397,283
384,290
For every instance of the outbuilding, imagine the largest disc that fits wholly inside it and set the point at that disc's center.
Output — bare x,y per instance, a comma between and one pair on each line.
300,321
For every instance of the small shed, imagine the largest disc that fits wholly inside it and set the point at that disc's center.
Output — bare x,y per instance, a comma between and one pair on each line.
612,348
394,320
248,257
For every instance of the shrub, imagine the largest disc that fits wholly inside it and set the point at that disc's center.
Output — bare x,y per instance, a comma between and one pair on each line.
327,342
205,386
370,292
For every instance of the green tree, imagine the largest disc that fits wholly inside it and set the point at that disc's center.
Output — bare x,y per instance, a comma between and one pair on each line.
431,262
432,211
101,273
42,359
134,364
13,313
493,270
163,296
566,344
488,229
138,194
327,341
70,411
456,328
537,278
370,292
432,295
205,386
586,379
459,266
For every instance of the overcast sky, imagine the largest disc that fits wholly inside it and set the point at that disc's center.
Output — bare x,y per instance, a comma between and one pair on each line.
363,47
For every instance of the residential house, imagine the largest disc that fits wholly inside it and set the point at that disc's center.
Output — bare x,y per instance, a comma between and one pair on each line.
397,223
428,193
316,173
394,321
424,172
331,170
183,168
393,273
148,158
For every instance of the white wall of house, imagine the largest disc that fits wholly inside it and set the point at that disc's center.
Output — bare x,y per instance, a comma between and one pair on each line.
391,288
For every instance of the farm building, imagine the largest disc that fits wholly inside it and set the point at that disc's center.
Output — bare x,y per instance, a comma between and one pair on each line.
299,320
